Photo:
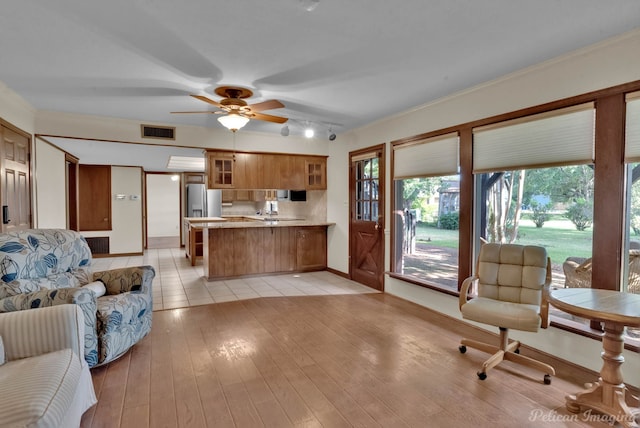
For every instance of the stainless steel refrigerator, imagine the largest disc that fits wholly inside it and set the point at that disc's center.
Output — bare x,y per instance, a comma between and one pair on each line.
202,202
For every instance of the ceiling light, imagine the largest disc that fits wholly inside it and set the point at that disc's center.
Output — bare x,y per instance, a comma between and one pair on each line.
309,133
175,177
233,121
332,135
309,5
186,163
284,131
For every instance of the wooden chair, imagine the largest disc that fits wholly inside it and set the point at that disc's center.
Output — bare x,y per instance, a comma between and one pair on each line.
510,280
577,272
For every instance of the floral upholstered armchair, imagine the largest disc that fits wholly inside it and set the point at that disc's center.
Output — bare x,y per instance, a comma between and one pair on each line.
48,267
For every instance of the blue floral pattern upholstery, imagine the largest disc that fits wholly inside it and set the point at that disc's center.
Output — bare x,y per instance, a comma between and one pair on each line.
46,267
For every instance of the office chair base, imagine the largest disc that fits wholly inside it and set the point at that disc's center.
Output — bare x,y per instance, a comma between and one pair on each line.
507,351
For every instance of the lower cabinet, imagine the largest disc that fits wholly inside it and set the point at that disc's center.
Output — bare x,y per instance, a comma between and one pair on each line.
311,248
234,252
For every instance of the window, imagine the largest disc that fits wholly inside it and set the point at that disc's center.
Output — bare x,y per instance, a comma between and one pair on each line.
367,187
550,207
535,186
426,210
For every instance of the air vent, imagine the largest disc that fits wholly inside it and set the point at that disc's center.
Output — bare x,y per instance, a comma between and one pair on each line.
158,132
98,245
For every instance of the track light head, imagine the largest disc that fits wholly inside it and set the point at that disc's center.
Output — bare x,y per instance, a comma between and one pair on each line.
332,136
284,131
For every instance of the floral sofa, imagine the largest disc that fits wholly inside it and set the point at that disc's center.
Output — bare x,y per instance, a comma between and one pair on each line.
48,267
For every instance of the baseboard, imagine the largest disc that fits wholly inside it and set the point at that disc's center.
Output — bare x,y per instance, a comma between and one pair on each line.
569,370
100,256
339,273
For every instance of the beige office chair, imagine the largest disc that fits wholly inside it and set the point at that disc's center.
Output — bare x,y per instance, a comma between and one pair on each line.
510,281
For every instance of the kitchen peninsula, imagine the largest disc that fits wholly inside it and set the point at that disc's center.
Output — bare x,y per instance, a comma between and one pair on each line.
253,245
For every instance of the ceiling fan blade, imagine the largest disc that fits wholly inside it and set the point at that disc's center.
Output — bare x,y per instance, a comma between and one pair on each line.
269,118
190,112
207,100
266,105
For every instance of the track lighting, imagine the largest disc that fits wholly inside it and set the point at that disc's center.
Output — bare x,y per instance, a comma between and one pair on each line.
309,133
284,131
309,5
332,135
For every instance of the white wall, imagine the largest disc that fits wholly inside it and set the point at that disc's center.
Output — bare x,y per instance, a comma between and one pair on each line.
597,67
50,186
163,206
113,129
15,110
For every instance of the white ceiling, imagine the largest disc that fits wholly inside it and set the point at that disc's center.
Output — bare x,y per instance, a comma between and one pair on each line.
342,65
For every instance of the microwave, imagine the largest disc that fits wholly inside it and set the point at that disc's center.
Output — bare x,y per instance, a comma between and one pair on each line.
297,195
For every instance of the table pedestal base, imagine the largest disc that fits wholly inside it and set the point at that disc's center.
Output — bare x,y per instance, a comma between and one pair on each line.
616,401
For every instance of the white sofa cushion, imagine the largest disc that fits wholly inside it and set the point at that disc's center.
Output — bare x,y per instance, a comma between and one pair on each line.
97,287
37,391
502,314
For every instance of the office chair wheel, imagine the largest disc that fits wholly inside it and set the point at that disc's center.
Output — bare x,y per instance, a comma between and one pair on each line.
462,349
547,379
482,375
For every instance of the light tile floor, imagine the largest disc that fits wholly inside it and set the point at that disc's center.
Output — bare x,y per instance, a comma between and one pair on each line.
178,284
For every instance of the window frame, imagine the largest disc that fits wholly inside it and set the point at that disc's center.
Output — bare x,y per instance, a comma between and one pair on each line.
609,194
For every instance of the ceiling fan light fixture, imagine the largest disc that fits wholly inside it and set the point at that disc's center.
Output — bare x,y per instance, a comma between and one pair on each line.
233,121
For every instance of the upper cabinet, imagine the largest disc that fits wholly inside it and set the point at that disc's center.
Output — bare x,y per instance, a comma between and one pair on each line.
220,170
315,173
241,170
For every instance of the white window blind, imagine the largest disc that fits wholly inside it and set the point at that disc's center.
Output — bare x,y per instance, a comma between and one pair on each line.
432,157
632,132
559,137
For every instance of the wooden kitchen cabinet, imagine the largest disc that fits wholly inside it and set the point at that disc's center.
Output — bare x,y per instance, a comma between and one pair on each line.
315,173
228,196
193,247
247,171
292,172
235,252
253,171
220,170
194,177
270,171
311,248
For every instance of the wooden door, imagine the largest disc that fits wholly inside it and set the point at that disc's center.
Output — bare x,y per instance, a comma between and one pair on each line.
72,192
366,207
16,181
94,197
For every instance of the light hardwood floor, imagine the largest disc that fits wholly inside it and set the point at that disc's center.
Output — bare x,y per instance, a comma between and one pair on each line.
334,361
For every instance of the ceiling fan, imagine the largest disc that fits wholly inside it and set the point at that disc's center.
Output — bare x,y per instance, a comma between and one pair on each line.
236,110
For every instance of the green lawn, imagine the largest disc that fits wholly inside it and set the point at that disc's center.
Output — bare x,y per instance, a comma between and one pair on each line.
559,236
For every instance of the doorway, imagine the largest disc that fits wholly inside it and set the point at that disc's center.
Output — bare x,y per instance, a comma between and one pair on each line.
366,212
15,177
163,210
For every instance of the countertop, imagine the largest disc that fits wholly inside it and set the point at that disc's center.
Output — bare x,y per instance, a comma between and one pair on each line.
259,222
203,219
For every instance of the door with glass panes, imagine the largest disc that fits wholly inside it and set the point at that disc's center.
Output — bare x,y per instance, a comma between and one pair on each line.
366,207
